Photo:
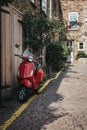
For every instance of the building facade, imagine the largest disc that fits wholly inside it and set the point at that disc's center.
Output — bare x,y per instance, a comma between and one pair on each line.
50,7
75,13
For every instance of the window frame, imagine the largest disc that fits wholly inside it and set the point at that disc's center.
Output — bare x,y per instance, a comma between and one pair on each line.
79,49
71,20
44,6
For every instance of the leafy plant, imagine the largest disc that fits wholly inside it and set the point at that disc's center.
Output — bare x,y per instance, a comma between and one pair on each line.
39,30
36,29
56,55
58,26
81,54
5,2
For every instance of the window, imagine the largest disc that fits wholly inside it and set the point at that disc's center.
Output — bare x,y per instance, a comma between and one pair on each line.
50,9
33,1
81,46
44,5
73,20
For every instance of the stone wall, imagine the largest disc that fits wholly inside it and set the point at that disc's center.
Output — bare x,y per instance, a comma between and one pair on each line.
79,35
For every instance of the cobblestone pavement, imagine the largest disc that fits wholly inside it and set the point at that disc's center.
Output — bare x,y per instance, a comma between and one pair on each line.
61,106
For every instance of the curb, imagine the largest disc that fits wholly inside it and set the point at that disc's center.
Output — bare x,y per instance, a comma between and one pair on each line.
48,81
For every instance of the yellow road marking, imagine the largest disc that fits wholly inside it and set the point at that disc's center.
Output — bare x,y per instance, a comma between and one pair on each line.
24,106
48,81
17,113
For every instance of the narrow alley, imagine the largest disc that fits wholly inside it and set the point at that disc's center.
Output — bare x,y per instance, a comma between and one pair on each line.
61,106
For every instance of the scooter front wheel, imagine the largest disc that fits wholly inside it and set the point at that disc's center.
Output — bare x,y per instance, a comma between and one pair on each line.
22,93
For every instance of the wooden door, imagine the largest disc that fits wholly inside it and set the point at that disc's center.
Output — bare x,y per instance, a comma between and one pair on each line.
11,33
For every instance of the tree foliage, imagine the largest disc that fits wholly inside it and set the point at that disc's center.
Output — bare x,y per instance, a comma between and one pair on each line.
5,2
58,26
36,29
56,55
39,30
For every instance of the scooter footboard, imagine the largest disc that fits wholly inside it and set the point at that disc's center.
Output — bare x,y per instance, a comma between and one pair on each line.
26,83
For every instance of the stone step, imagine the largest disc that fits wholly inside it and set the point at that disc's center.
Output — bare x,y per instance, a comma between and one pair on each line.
82,60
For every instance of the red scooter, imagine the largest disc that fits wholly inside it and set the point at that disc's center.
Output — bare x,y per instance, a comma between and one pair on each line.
29,76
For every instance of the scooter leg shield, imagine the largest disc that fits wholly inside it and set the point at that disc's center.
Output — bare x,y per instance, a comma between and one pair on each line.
26,83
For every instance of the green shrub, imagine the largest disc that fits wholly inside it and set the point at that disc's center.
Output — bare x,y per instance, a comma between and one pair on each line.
5,2
56,55
81,54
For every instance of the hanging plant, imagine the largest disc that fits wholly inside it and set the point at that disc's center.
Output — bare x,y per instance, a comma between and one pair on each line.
67,26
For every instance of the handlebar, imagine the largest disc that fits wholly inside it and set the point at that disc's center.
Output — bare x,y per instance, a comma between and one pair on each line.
22,57
18,55
26,58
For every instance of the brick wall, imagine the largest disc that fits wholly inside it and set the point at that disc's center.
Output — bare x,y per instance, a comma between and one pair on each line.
23,5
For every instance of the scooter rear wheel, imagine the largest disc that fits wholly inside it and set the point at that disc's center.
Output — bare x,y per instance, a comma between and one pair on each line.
22,94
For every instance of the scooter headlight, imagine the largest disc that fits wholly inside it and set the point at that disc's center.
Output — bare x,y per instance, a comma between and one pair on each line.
30,58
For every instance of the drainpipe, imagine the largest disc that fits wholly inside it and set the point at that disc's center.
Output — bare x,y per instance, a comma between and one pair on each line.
40,6
40,38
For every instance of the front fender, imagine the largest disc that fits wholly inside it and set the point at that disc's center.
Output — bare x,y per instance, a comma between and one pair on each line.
26,83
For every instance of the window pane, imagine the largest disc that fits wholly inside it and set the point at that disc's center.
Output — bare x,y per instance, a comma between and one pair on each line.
32,1
44,5
73,20
81,46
